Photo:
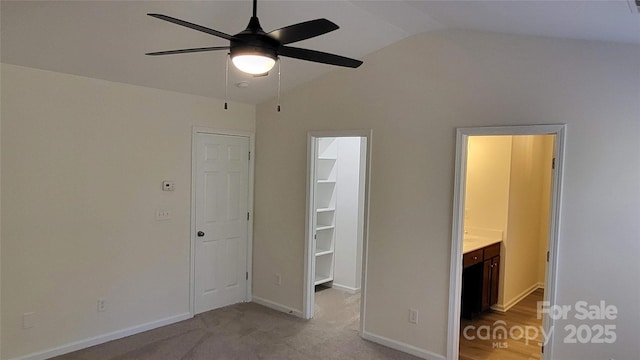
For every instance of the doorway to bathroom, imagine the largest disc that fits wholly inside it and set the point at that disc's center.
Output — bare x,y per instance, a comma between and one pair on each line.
506,202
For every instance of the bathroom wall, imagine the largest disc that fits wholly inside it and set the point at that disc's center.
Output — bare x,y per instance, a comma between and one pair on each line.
524,246
487,186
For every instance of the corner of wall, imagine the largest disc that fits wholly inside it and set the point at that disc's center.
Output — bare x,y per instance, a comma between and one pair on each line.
69,144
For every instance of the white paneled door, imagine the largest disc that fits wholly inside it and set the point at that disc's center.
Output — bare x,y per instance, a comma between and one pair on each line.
222,188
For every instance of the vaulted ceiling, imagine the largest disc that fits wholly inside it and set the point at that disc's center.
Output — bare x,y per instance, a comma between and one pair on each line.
108,39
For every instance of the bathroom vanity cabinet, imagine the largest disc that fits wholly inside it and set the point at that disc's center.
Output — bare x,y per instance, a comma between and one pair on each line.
480,279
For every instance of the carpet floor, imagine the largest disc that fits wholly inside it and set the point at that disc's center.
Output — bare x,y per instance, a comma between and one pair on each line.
249,331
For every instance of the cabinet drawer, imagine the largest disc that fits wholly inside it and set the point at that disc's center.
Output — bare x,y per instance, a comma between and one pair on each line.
472,258
491,251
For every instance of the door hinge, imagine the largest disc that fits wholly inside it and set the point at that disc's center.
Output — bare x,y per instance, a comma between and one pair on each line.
249,155
246,275
553,163
547,256
315,236
247,216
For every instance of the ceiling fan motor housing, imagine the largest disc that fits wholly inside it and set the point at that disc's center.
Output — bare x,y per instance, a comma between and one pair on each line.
253,40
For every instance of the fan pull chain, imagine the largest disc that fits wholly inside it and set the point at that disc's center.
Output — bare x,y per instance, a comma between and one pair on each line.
226,83
279,61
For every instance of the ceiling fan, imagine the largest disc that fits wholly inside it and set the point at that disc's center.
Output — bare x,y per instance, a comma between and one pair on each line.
254,51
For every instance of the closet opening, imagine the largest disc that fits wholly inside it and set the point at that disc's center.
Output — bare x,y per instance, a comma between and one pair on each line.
336,226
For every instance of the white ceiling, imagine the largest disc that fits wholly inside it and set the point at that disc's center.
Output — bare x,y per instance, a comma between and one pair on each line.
108,39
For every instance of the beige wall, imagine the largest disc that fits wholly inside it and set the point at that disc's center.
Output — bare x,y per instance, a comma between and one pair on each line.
414,94
83,161
486,202
528,224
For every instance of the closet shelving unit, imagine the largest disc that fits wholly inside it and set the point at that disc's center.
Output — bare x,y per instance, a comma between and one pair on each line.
325,209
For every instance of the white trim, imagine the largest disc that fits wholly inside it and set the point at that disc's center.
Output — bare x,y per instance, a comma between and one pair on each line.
251,136
455,278
345,288
308,287
400,346
101,339
516,299
309,263
554,236
276,306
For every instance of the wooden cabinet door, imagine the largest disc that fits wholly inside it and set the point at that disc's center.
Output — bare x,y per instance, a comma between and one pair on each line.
486,284
495,280
490,282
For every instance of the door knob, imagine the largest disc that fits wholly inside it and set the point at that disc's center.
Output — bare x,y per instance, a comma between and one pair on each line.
200,233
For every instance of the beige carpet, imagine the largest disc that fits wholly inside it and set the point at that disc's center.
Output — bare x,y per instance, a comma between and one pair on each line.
250,331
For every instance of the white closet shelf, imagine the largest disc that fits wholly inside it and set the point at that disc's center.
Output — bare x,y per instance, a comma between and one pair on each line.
321,279
323,252
324,227
325,212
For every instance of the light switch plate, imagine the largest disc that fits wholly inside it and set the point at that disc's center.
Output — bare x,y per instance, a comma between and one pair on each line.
28,320
413,316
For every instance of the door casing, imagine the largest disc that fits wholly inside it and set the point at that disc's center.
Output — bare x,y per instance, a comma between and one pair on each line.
455,283
192,263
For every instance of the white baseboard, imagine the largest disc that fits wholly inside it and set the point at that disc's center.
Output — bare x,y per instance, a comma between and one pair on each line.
348,289
400,346
275,306
516,299
101,339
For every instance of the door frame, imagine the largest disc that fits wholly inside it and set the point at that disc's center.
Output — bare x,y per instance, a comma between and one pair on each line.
192,262
308,293
455,286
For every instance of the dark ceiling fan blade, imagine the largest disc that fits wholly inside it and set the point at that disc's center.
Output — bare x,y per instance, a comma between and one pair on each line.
184,51
192,26
303,30
318,56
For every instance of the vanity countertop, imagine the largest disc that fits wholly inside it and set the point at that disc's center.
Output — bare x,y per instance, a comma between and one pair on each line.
475,242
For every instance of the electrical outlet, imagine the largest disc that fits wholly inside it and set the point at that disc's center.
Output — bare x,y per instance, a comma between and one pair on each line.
162,214
102,306
278,279
168,185
413,316
28,320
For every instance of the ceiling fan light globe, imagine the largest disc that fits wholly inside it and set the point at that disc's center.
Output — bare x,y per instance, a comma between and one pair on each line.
253,64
